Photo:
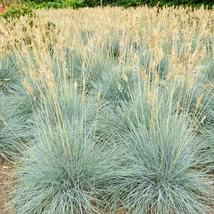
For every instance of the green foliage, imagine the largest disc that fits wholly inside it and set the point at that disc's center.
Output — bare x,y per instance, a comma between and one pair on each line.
15,11
124,3
161,3
75,4
92,3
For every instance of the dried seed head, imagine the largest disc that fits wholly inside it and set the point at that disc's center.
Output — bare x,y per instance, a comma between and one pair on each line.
51,80
75,85
162,83
191,81
33,75
153,64
83,67
198,104
159,55
203,119
143,74
152,41
119,86
151,97
124,77
98,96
28,87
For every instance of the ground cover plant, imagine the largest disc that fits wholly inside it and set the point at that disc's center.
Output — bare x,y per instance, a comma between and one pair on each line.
109,110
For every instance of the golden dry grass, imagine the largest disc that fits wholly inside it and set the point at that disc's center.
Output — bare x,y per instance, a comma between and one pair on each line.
160,31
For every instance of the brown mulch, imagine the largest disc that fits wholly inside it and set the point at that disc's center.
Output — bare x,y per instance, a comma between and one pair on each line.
6,182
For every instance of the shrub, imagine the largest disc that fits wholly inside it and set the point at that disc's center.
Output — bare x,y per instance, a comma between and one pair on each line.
75,4
15,11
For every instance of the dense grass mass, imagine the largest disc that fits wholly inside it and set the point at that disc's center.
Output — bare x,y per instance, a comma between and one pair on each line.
109,110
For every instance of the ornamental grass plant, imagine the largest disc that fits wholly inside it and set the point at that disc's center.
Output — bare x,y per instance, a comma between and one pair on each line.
63,168
120,104
15,128
160,165
16,117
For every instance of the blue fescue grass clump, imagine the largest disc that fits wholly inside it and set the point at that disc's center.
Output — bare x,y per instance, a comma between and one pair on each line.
64,168
160,153
206,153
115,126
158,176
15,114
205,132
205,118
15,128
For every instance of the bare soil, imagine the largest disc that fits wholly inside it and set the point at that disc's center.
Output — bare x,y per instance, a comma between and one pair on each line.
6,183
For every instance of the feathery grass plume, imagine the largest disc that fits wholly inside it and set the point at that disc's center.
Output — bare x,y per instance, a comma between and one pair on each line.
63,170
